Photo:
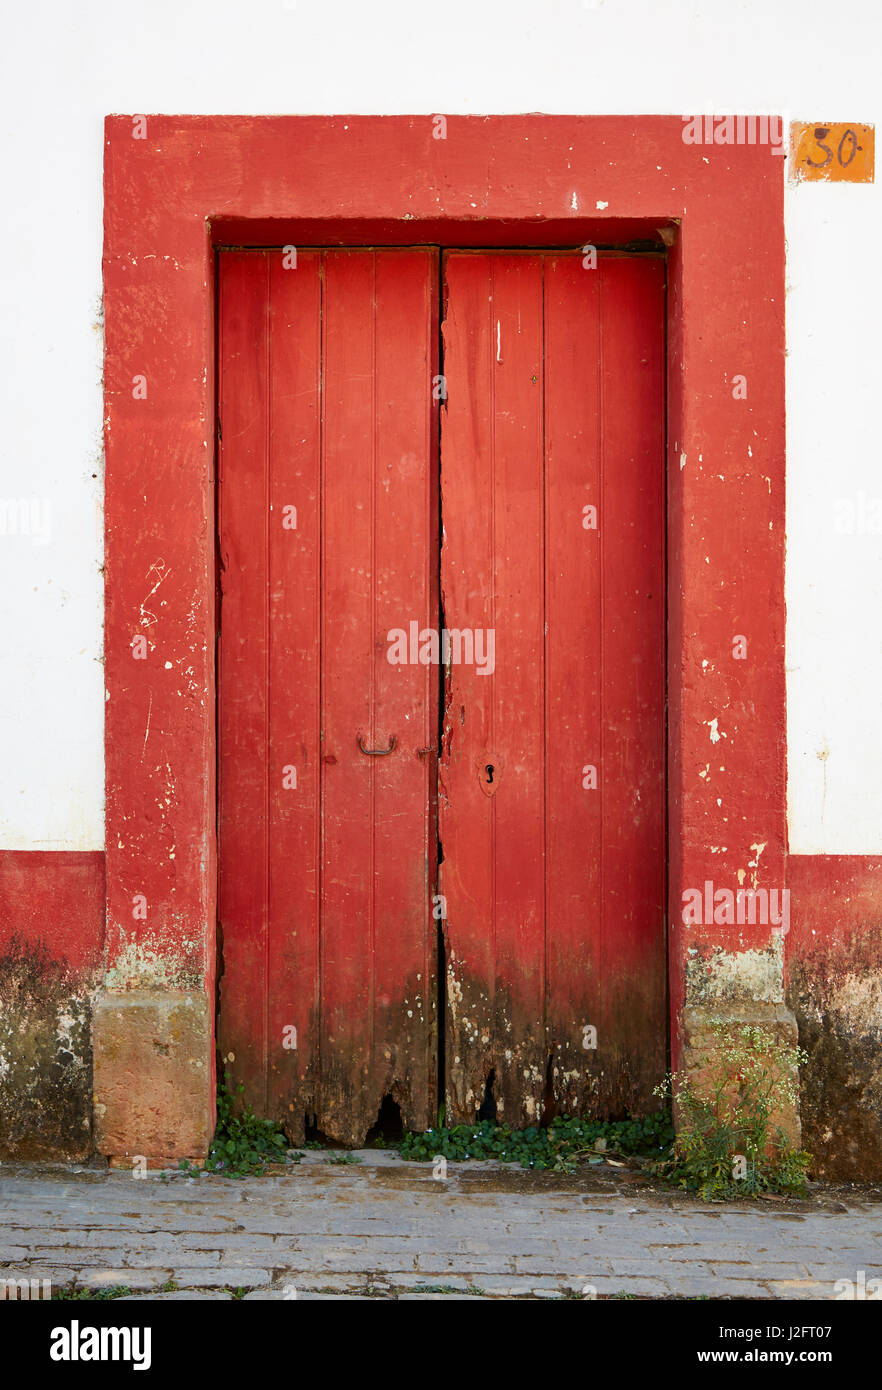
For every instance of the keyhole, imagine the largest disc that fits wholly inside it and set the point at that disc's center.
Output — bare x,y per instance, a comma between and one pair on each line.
489,773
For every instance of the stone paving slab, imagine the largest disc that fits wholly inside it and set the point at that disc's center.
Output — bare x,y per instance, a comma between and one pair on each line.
102,1278
384,1228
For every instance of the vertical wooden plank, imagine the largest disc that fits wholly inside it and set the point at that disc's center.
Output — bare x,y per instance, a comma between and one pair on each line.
467,875
492,579
379,515
242,668
632,1039
517,685
294,369
348,576
573,364
405,695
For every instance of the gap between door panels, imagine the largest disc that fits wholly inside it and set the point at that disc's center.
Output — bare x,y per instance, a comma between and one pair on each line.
441,965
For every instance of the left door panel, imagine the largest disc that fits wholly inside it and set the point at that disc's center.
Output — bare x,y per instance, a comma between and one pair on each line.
328,527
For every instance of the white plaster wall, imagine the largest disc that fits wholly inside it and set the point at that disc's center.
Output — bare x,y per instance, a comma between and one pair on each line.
63,67
834,532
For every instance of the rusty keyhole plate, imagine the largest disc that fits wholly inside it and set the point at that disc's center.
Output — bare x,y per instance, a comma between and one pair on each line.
489,769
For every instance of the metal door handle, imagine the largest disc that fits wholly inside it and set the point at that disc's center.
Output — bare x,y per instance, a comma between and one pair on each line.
377,752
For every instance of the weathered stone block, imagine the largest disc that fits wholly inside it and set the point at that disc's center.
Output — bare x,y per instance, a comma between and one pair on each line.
152,1074
700,1044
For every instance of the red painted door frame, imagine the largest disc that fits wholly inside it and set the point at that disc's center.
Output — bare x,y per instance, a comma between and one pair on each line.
176,187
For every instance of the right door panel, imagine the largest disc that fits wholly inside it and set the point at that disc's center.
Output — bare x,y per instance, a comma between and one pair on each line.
552,773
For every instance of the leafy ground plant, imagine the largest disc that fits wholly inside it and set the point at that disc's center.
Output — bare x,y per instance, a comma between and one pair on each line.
727,1146
111,1291
242,1143
560,1146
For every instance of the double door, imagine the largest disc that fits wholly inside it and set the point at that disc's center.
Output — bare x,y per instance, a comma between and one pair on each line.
441,685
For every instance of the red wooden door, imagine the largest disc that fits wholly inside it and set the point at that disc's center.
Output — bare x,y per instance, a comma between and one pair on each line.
328,524
552,823
552,799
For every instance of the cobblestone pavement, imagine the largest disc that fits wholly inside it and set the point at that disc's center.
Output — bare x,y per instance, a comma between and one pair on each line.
388,1229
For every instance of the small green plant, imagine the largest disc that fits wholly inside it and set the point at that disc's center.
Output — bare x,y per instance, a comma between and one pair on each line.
470,1289
242,1143
92,1295
342,1156
560,1146
727,1146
